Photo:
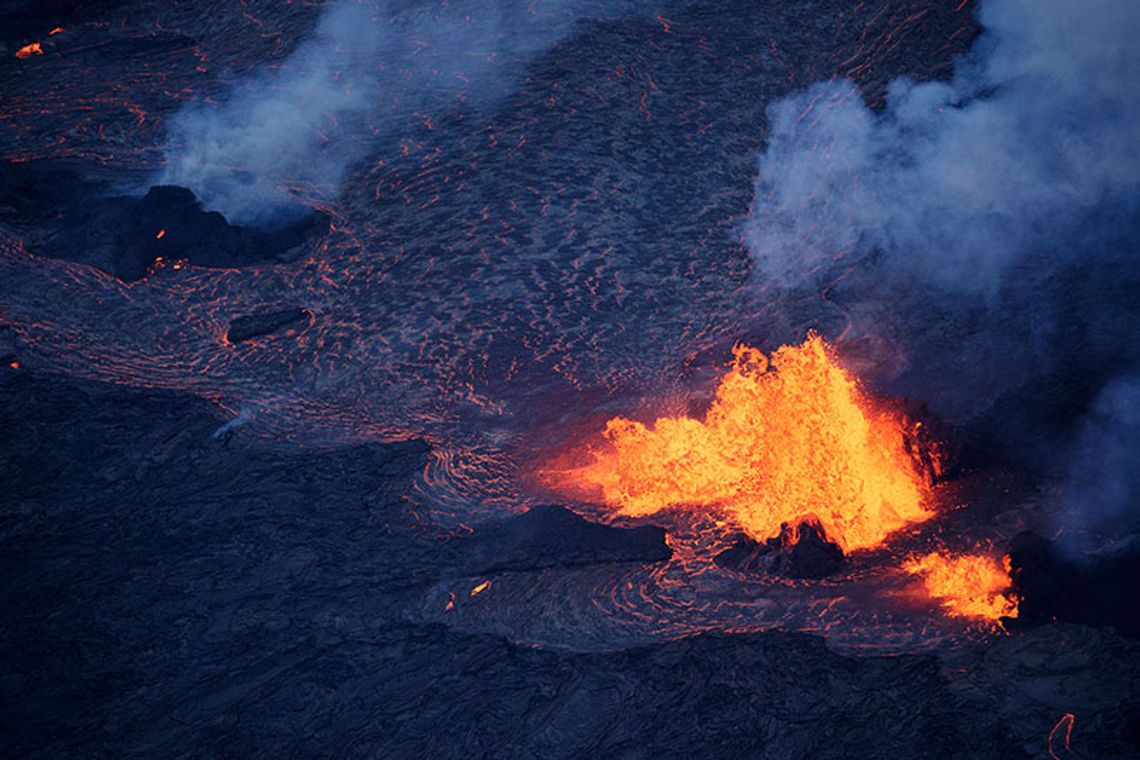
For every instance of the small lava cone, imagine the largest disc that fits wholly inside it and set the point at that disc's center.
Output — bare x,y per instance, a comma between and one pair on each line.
802,550
267,322
126,237
553,536
1097,591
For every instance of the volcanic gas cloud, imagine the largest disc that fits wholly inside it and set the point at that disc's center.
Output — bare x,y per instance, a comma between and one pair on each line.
786,437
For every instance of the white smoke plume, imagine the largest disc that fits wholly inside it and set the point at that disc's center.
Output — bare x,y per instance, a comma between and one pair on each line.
288,134
1031,145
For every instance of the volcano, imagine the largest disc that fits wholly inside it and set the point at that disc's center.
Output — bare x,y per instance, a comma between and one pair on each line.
563,378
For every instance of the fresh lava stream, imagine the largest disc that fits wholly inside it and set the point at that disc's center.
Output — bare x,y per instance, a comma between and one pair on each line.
787,437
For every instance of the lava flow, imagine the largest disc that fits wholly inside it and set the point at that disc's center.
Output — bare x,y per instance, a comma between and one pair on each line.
784,439
27,51
970,585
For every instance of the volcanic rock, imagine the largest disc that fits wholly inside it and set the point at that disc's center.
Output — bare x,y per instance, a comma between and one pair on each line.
264,323
8,345
127,236
553,536
39,10
37,192
1051,586
802,550
163,592
934,445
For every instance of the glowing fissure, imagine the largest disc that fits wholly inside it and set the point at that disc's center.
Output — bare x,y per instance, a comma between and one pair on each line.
784,439
967,585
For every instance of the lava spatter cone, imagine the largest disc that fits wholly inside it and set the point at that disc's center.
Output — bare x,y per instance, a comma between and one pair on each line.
802,550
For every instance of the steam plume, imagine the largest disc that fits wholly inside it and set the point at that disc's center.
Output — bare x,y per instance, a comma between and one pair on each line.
1031,147
285,127
983,232
289,134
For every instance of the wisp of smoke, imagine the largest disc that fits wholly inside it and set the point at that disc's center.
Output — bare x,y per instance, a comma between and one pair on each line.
285,136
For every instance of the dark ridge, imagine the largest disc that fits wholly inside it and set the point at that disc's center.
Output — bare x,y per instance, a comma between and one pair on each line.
128,237
265,323
37,192
801,551
1097,591
553,536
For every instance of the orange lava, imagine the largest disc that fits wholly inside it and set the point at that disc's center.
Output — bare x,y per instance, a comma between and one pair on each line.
784,439
1066,721
27,51
968,585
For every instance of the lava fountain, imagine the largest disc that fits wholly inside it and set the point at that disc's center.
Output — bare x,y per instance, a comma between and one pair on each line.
969,585
787,437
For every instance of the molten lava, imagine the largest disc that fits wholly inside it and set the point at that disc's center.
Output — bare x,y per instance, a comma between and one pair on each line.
969,585
27,51
784,439
1066,721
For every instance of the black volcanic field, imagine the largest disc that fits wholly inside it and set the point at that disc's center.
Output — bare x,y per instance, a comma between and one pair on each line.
264,493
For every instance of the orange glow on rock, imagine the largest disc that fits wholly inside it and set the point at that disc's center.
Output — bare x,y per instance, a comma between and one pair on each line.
480,588
27,51
784,439
968,585
160,235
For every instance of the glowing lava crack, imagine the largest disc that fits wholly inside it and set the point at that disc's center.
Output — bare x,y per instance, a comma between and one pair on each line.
785,438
